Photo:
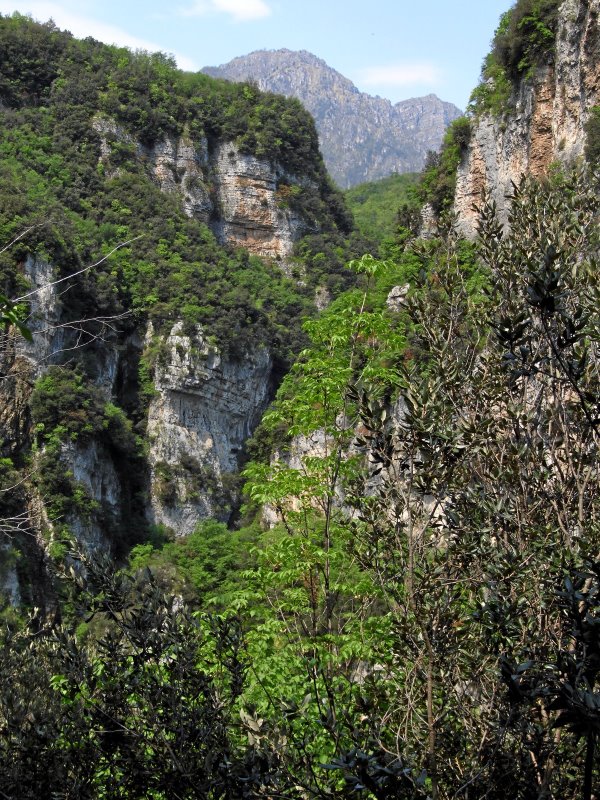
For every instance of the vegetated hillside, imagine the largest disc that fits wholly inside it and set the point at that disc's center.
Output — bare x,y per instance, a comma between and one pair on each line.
415,608
148,195
375,205
362,137
410,607
534,111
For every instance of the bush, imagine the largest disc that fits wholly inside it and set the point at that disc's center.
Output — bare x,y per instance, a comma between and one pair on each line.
438,179
524,40
62,398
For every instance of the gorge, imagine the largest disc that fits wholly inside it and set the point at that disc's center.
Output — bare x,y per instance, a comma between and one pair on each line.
288,511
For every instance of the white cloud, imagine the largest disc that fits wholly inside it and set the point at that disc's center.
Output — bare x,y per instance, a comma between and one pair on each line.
238,10
82,26
400,75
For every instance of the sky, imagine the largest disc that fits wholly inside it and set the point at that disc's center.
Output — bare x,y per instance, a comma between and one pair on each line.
392,48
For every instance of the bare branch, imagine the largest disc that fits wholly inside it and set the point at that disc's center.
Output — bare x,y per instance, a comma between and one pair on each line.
21,235
75,274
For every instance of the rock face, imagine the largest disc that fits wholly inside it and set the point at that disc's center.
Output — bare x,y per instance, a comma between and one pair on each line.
92,467
362,137
250,216
545,126
236,194
204,409
204,406
89,464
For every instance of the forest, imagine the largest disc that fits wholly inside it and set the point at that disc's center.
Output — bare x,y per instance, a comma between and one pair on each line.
404,602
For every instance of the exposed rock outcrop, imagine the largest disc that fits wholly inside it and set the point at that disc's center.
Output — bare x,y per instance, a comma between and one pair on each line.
362,137
250,214
236,194
204,409
546,124
92,467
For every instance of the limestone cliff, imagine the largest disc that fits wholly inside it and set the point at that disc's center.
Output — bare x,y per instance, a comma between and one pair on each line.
233,192
204,404
148,220
204,409
545,121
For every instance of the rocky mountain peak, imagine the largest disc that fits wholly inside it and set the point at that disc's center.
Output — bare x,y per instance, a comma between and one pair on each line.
362,137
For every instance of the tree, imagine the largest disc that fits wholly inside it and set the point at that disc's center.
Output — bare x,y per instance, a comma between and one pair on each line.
137,701
468,492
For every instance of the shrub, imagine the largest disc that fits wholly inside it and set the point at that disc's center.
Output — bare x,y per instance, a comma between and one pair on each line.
525,37
524,40
438,179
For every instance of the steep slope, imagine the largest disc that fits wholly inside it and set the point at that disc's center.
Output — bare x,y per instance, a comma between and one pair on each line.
362,137
531,114
152,216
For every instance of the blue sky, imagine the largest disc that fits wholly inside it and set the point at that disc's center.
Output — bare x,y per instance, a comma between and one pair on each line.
394,48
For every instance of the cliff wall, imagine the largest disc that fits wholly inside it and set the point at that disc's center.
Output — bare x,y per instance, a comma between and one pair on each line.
150,367
545,123
204,409
235,193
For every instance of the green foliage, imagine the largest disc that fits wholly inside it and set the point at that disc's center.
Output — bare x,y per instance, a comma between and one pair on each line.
492,95
438,179
146,94
68,411
523,41
63,397
375,205
204,566
100,214
428,479
526,36
422,616
66,406
146,709
28,64
592,137
323,258
53,179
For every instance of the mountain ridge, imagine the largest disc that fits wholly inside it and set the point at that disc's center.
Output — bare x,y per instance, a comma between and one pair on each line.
363,137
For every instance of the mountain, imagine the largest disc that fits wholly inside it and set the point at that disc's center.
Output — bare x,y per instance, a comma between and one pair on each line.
146,372
362,137
408,603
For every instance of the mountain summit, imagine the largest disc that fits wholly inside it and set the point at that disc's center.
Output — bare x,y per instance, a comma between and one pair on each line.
362,137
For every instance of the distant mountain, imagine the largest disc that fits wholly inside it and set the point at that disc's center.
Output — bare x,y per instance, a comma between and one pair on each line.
362,137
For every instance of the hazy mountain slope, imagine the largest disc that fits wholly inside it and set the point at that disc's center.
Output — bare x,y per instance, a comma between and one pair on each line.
362,137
